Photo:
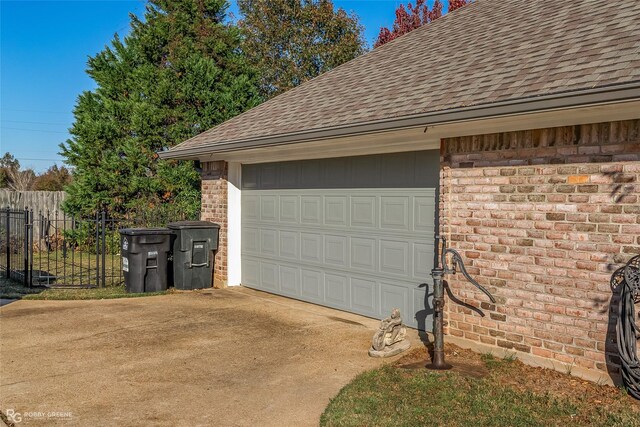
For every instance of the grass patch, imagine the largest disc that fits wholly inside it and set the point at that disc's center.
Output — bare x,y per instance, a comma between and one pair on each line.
12,290
393,396
75,267
490,360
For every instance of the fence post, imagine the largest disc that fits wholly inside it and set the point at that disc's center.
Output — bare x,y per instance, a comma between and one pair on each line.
30,254
8,243
26,248
97,248
104,247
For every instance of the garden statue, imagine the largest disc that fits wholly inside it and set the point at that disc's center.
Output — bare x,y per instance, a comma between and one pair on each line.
389,339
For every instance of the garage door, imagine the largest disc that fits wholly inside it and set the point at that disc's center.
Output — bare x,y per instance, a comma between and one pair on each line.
354,233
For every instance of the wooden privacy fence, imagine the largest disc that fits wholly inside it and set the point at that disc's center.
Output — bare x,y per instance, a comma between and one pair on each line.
49,203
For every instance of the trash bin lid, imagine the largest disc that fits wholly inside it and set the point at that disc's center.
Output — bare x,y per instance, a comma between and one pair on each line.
144,231
182,225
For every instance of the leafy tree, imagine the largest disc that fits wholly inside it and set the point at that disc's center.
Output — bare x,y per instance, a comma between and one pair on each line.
178,73
54,179
416,16
457,4
291,41
7,163
21,180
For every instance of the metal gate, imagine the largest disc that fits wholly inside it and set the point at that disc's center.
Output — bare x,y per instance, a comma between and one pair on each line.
56,250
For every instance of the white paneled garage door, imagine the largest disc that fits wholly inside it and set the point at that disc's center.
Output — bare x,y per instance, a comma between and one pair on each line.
355,233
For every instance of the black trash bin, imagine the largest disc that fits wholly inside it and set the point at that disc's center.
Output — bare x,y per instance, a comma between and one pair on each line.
193,244
144,258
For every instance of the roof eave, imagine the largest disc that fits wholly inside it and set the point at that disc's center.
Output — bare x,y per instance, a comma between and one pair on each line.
570,99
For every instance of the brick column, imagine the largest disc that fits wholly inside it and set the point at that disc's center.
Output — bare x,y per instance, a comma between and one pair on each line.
214,208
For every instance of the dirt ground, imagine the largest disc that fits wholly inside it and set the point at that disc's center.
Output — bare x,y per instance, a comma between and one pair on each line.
219,357
522,377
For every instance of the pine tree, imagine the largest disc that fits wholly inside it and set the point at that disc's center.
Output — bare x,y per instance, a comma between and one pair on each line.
179,72
291,41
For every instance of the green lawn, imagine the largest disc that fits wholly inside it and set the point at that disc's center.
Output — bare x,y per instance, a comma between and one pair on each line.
13,290
70,268
76,267
510,394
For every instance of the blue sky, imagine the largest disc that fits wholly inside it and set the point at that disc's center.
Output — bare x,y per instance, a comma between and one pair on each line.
44,47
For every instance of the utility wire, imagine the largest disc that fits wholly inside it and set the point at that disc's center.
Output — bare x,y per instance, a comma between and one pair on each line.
47,160
35,111
20,151
34,130
33,123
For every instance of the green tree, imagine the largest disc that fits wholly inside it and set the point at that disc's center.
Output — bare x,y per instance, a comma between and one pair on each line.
291,41
54,179
178,72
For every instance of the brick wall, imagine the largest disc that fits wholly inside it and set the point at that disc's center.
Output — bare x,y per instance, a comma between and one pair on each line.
214,208
543,218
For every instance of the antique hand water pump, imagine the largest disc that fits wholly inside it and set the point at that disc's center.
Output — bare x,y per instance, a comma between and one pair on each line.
438,298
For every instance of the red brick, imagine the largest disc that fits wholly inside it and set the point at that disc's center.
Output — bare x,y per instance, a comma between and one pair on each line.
553,346
214,208
542,352
578,179
542,236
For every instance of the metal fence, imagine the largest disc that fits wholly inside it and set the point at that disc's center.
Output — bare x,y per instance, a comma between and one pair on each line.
56,250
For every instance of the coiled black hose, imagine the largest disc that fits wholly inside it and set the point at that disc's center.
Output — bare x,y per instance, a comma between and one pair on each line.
627,331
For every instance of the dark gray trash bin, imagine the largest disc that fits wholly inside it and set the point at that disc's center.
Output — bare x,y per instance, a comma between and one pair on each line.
144,258
193,243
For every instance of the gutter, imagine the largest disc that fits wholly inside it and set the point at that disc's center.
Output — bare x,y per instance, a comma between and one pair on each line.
557,101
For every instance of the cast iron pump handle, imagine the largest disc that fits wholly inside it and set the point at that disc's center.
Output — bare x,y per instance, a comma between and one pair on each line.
437,361
458,263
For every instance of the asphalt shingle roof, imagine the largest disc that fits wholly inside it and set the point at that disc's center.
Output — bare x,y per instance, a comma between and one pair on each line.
486,52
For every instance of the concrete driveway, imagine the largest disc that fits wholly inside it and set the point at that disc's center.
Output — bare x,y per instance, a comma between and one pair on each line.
216,357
